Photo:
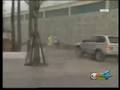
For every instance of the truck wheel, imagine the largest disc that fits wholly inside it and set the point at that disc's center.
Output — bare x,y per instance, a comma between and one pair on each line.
81,53
99,56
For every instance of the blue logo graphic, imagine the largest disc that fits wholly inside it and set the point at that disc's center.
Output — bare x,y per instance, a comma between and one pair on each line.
105,75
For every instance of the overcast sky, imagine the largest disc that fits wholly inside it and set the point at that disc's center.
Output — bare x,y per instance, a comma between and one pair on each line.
24,6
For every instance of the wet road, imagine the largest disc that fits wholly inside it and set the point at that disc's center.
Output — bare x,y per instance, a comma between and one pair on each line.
64,69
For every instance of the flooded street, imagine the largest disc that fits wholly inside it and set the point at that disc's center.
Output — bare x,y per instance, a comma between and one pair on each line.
64,69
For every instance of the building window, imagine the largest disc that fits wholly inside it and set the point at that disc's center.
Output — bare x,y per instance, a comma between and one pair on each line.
58,12
88,8
113,4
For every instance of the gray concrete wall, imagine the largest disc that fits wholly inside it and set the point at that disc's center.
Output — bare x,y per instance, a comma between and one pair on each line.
72,29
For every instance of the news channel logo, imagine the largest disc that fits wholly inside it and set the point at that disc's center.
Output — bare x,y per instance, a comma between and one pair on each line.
105,75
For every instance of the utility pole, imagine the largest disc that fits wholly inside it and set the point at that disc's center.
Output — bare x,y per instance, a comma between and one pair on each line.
34,47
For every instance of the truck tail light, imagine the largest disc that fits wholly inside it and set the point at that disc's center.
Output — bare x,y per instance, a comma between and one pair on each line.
109,48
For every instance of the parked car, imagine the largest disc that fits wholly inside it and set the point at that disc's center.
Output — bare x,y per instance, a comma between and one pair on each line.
100,46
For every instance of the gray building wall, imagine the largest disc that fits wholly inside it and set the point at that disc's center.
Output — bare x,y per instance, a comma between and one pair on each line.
74,28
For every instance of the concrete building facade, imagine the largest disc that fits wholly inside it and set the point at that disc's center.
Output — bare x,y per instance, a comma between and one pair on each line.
72,22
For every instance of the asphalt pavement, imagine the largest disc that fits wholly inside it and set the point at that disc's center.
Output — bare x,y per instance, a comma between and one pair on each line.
65,69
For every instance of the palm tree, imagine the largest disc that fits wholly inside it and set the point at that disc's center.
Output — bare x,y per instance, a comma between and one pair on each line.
13,24
29,48
19,27
34,48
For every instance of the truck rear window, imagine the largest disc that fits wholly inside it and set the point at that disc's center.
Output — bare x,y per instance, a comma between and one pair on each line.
113,39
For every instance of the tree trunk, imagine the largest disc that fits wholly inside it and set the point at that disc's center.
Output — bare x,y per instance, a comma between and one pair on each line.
13,24
34,48
38,44
30,29
19,27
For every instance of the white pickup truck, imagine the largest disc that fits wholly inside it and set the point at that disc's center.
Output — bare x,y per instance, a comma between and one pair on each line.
100,46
